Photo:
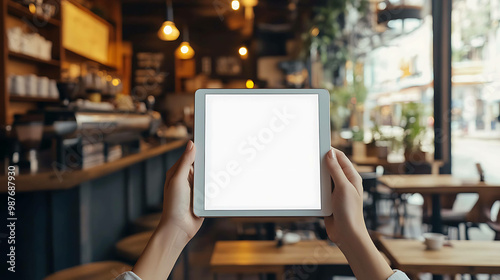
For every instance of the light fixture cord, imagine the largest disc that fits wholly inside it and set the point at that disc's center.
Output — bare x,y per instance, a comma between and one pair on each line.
170,11
186,33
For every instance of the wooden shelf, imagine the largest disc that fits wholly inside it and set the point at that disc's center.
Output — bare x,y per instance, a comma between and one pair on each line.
32,59
84,58
33,99
21,11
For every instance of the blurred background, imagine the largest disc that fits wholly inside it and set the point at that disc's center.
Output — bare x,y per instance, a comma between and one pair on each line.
97,101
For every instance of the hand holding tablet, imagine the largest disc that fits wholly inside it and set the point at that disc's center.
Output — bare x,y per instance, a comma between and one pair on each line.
260,153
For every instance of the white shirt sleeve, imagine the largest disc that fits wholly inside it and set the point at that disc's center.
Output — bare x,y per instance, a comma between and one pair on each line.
397,275
128,275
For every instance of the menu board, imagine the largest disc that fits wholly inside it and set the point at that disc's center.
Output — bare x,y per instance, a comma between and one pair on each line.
84,34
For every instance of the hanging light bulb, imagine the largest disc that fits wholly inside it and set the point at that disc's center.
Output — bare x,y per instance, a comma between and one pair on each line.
168,31
185,51
243,51
235,5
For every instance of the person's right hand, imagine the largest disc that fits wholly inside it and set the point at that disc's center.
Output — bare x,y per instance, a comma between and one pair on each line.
346,227
347,198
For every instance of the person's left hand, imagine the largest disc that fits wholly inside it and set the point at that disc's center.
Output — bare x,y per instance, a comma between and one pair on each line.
177,198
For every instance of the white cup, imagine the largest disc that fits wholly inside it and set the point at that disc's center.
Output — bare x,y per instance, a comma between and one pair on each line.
18,85
53,91
434,241
31,84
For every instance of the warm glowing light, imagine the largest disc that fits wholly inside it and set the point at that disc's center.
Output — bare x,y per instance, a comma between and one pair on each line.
243,51
109,78
315,31
184,51
115,82
235,5
168,31
249,84
32,8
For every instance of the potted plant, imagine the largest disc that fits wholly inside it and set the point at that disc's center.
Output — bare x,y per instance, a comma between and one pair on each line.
414,131
379,145
358,144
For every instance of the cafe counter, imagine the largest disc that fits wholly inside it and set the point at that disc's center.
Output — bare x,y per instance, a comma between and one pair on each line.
76,216
63,179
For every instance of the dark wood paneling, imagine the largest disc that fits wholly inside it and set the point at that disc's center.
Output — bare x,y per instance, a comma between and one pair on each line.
155,171
136,201
107,215
65,234
33,256
62,228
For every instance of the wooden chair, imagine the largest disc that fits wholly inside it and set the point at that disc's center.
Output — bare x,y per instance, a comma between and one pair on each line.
450,218
130,248
370,205
495,226
487,204
106,270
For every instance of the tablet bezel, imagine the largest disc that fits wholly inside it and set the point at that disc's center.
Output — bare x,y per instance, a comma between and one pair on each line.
199,164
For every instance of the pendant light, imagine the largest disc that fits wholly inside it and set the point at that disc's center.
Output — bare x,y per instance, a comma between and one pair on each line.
168,31
184,51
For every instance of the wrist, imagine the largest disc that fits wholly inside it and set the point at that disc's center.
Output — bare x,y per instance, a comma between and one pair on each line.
172,232
353,239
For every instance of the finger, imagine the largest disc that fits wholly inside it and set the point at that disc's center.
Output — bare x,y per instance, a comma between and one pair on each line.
186,161
335,170
171,171
349,171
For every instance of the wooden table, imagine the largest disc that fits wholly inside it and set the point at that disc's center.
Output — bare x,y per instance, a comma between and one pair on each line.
394,167
465,256
265,257
436,185
269,224
364,168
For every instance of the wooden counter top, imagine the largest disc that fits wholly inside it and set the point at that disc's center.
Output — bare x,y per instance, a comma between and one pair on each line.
65,179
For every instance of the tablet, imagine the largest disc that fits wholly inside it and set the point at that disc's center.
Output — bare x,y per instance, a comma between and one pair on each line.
260,152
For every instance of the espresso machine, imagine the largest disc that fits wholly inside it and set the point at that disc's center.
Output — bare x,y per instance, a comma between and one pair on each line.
25,138
82,139
61,138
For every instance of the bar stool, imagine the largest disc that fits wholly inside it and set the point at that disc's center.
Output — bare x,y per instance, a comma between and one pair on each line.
130,248
105,270
147,222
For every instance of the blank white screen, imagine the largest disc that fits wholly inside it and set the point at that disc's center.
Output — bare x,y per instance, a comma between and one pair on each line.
262,152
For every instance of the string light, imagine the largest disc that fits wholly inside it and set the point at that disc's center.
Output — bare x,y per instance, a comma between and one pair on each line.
314,32
116,82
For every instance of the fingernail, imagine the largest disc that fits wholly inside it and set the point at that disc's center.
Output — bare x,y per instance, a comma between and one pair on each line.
189,145
331,153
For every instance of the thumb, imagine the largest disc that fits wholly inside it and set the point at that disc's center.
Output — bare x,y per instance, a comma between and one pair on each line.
186,161
336,172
